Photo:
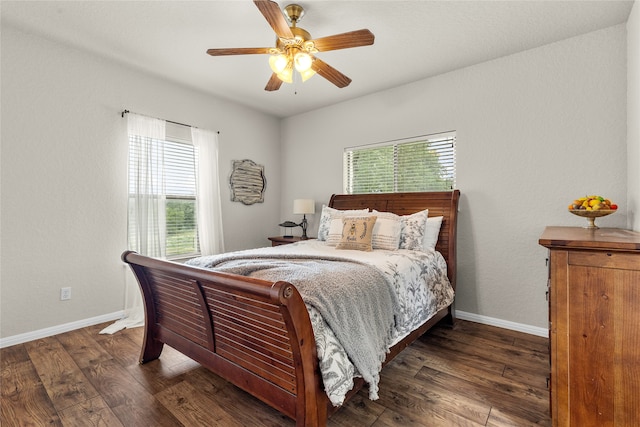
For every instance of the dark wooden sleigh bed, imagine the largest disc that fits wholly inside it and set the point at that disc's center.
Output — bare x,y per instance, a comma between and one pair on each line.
257,334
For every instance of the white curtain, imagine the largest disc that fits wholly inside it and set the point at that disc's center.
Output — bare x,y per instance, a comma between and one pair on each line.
208,192
147,225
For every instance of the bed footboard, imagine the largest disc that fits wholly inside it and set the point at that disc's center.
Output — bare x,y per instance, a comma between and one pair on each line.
255,334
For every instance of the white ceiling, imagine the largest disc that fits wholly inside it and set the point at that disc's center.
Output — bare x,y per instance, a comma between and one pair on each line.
413,39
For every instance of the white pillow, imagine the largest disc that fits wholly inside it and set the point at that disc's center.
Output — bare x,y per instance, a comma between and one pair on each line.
431,232
334,235
386,231
325,219
412,232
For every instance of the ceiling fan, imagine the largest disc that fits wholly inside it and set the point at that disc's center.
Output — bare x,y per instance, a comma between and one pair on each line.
295,48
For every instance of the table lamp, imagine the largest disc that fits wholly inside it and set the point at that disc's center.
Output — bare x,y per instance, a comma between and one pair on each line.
304,207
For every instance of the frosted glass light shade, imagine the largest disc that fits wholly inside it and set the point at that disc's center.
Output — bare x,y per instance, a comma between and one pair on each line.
307,74
286,75
304,206
278,63
302,61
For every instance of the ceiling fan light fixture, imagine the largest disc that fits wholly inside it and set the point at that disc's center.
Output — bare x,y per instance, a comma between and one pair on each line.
286,75
296,49
278,63
302,61
307,74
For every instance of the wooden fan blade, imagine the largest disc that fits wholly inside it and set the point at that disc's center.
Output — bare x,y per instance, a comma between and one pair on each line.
330,73
344,40
237,51
274,83
272,13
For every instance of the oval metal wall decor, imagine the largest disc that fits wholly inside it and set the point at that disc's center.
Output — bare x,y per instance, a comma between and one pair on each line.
247,182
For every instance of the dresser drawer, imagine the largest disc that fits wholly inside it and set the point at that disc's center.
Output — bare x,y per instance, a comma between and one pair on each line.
617,260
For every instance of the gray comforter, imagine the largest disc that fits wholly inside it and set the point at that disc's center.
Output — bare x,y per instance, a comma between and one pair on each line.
356,300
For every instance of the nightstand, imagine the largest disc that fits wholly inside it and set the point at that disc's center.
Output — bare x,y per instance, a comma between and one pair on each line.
281,240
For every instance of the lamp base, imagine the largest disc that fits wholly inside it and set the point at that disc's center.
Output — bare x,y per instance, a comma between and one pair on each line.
303,224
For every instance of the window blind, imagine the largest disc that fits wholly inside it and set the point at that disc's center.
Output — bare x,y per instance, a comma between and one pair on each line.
173,180
425,163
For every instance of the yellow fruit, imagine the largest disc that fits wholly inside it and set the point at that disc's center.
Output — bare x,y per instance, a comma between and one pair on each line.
594,202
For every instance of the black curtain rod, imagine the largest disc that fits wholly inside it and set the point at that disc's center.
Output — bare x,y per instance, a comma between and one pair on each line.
168,121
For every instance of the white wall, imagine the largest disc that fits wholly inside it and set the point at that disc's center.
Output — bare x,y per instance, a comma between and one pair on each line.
64,184
633,117
534,130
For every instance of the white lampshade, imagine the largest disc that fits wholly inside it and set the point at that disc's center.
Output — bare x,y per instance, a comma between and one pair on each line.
304,206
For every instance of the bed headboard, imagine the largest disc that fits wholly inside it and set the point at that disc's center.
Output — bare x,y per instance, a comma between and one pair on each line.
439,203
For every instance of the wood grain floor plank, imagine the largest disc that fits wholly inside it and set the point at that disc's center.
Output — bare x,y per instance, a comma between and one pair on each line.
248,410
523,375
509,396
194,409
455,365
12,355
121,347
469,375
83,348
24,400
113,382
413,399
145,410
90,413
63,380
360,411
498,418
488,349
391,418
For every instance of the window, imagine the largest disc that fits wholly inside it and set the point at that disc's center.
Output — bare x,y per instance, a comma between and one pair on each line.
165,170
425,163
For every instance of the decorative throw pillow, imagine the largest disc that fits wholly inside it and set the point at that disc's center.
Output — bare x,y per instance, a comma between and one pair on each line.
431,233
386,231
357,232
412,233
335,230
325,219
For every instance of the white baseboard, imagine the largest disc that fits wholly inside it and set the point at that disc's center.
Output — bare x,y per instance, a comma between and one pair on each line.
492,321
59,329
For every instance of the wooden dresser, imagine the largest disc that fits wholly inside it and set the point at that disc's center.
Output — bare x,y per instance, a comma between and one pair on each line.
594,323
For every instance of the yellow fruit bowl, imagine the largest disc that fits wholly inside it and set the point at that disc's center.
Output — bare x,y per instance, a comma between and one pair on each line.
591,215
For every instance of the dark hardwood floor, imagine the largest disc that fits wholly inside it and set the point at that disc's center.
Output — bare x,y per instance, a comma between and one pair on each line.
471,375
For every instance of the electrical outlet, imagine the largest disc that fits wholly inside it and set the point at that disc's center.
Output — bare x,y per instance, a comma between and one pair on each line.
65,294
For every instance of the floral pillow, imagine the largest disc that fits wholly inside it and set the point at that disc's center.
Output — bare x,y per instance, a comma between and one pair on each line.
357,233
412,231
325,219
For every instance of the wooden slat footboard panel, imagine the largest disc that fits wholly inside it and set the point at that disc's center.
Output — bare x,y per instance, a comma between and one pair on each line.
177,307
253,334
